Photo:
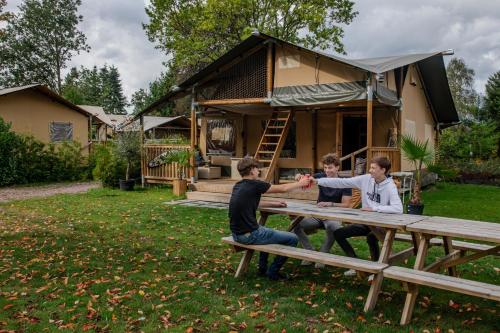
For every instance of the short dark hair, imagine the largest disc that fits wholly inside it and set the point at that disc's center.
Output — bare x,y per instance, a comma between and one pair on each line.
246,164
330,159
383,162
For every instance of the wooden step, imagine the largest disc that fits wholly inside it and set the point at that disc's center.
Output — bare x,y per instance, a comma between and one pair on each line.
265,161
269,143
275,126
265,152
458,245
272,134
455,284
314,256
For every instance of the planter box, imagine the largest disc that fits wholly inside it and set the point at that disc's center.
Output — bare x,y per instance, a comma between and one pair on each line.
209,172
180,187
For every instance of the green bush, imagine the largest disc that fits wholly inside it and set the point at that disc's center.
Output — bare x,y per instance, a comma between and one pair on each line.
9,144
24,159
109,167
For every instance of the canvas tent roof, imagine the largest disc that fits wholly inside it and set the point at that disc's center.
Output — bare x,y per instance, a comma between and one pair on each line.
98,112
151,122
48,92
431,67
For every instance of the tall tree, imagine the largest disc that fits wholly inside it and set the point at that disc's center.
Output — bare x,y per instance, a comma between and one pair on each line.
96,86
461,80
196,32
492,99
4,16
159,87
39,41
112,99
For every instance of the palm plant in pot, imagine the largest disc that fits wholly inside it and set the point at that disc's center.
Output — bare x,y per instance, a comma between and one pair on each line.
419,154
128,147
182,158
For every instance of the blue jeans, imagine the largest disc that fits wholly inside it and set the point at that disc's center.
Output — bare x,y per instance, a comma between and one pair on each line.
263,236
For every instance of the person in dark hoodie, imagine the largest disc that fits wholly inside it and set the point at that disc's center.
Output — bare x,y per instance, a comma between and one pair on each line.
378,194
245,199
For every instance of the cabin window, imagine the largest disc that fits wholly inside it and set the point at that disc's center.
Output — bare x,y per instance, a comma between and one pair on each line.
60,131
221,137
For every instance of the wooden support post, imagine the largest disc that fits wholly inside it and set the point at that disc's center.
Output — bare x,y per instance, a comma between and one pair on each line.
244,135
369,114
193,134
247,256
372,298
448,248
270,72
143,163
314,141
411,296
338,145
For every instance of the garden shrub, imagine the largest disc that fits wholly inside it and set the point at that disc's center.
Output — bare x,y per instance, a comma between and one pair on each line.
109,167
9,143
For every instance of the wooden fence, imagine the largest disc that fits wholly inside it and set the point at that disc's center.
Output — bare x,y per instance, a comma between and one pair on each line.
155,171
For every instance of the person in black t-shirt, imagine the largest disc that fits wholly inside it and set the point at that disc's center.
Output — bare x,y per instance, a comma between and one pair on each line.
243,205
328,197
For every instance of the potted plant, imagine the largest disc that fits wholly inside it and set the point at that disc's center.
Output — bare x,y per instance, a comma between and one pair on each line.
128,147
418,153
182,158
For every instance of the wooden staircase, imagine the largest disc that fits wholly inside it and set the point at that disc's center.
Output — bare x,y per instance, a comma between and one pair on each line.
272,141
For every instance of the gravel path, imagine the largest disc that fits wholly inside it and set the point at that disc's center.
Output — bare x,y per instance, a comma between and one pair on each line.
26,192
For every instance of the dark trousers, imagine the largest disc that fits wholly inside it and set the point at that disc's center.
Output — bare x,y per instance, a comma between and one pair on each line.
352,230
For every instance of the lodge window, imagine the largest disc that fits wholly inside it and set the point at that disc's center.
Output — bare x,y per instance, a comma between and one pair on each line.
60,131
221,137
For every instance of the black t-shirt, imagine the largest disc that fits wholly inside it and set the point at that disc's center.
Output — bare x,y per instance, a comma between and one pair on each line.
244,203
329,194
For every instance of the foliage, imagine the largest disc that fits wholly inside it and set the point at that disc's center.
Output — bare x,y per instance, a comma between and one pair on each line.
492,99
461,81
476,140
157,89
181,157
24,159
197,32
4,16
96,86
128,147
9,144
419,154
162,268
109,167
178,139
34,48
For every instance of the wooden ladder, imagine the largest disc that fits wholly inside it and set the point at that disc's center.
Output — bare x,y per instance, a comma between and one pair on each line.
273,140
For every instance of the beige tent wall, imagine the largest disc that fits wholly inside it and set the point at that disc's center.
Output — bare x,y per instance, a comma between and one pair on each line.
416,117
294,67
326,135
31,113
383,120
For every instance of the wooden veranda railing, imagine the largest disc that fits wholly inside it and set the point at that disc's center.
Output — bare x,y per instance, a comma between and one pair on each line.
154,170
393,154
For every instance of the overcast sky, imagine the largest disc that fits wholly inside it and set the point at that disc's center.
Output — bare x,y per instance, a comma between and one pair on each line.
383,27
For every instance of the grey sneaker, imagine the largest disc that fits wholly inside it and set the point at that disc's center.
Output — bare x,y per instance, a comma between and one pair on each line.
319,265
350,272
305,263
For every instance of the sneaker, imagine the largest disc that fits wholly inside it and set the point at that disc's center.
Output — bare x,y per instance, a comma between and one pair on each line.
350,272
277,276
305,263
370,278
319,265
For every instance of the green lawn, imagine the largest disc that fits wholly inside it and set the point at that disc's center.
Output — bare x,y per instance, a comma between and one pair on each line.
111,261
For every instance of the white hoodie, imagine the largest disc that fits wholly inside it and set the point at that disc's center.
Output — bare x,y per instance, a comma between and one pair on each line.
382,197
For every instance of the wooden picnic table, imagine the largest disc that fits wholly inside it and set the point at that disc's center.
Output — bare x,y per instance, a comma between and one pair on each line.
448,228
387,224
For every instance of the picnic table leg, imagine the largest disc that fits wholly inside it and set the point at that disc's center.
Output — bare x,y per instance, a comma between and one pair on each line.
385,252
411,296
448,247
247,255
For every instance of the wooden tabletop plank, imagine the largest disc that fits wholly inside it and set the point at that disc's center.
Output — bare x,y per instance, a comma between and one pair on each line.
392,221
468,229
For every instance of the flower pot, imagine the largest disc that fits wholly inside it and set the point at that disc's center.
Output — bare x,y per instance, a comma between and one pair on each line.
127,185
180,187
415,209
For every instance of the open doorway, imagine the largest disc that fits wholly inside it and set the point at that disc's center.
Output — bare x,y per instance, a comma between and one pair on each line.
353,137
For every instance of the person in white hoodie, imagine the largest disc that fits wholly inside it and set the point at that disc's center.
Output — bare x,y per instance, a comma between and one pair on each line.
378,194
